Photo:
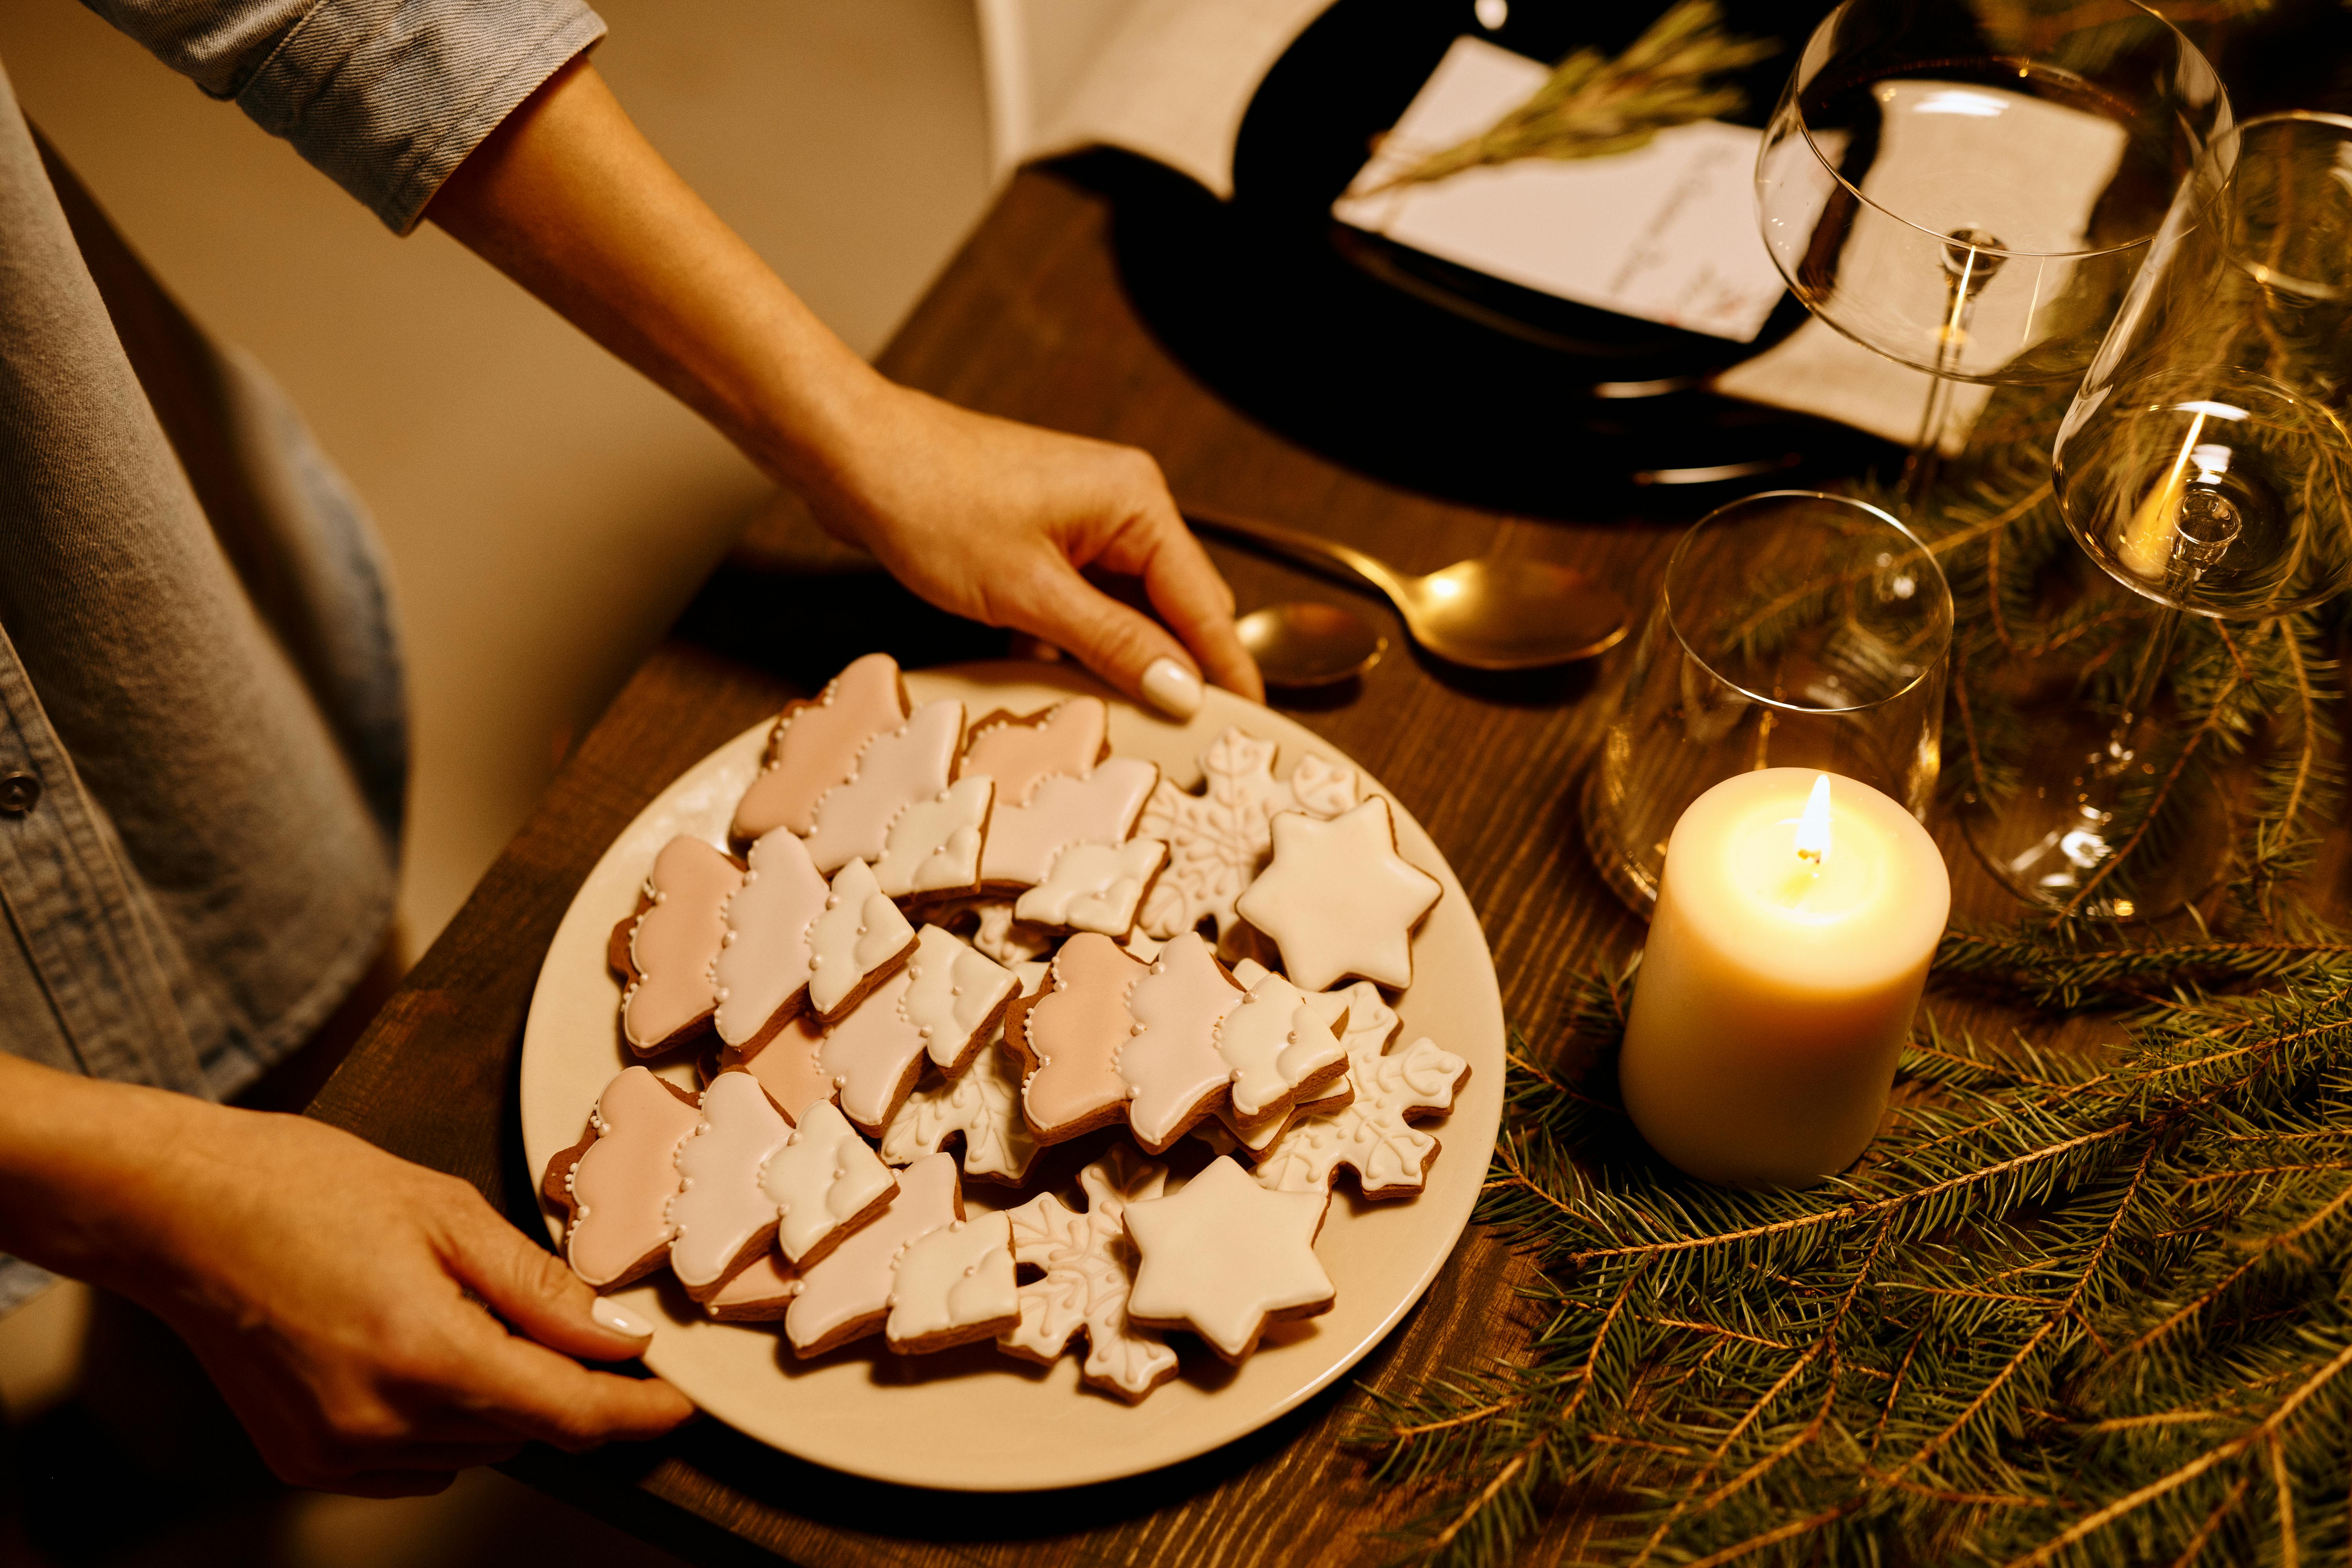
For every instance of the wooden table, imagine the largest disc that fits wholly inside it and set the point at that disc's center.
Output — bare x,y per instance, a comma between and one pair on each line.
1030,321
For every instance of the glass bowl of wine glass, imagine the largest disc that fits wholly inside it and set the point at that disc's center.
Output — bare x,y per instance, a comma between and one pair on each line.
1969,186
2204,465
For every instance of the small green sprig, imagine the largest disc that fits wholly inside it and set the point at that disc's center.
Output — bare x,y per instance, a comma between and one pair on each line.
1594,105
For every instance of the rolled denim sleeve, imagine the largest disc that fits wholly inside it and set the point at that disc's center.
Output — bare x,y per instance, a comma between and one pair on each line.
384,97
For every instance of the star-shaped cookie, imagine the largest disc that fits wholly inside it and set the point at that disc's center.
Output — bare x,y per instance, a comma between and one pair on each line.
1339,901
1225,1257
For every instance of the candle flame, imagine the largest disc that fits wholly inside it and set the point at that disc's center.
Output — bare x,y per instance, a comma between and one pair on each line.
1813,827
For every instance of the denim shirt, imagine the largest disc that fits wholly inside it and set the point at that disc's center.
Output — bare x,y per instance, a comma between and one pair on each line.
203,742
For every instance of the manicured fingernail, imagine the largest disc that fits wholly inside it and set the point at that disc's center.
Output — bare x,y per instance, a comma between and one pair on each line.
610,1314
1173,688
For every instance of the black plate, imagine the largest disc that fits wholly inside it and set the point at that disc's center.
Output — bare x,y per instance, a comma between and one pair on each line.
1425,373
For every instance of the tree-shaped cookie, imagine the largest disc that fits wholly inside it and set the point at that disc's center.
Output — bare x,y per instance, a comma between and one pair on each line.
1174,1072
1069,1037
814,746
760,973
857,941
821,1183
846,1296
873,817
1225,1257
1218,840
614,1185
953,1286
1086,1269
1373,1134
666,949
1064,816
1337,899
1279,1046
718,1216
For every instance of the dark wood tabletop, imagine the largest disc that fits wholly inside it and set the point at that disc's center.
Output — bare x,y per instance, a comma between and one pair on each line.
1032,321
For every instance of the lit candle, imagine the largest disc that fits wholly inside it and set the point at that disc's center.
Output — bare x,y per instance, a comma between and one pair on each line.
1795,920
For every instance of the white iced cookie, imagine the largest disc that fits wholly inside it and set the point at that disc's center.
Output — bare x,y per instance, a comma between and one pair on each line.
955,997
1086,1269
981,1101
1225,1257
1374,1132
761,975
859,933
1174,1073
1280,1048
718,1213
821,1184
953,1286
847,1295
1218,840
871,1056
933,846
1094,886
1339,901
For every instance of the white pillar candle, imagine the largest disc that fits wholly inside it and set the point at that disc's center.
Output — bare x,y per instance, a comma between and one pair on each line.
1795,921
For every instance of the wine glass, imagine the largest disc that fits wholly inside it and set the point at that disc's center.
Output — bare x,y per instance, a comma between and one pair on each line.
1968,186
2204,466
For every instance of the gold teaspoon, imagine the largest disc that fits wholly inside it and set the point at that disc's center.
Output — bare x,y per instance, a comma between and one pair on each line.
1485,613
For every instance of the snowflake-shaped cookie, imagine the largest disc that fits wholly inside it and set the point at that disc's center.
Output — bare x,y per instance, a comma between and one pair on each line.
1372,1134
1088,1267
1218,840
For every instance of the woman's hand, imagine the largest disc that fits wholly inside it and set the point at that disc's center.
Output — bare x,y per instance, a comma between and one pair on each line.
342,1299
996,521
984,517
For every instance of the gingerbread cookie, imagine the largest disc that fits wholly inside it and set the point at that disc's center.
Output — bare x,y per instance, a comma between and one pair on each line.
1280,1048
1069,1035
1339,901
814,746
1174,1073
789,1064
1087,1268
856,941
1225,1257
760,1292
1218,840
614,1185
1373,1133
872,819
1005,939
955,997
821,1184
1021,751
938,1008
848,1295
720,1217
760,973
979,1104
1064,813
953,1286
664,951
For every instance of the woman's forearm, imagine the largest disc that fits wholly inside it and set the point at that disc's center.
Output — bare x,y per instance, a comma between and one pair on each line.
81,1161
568,199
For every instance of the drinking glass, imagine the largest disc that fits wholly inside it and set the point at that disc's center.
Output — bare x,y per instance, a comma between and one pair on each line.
2203,465
1968,186
1794,630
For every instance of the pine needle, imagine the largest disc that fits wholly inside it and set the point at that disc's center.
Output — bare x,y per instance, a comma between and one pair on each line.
1592,106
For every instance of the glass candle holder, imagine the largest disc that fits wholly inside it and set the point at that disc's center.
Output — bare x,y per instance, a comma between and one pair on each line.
1794,630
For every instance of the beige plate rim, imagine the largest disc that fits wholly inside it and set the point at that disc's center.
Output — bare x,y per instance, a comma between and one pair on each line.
975,1420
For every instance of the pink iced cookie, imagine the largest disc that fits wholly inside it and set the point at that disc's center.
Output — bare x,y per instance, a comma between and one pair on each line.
1174,1072
1069,1037
614,1185
664,952
848,1295
815,746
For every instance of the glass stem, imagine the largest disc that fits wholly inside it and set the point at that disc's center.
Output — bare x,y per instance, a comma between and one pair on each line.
1925,464
2155,656
1966,269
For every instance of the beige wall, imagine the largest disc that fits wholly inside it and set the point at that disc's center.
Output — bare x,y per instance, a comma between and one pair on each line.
547,513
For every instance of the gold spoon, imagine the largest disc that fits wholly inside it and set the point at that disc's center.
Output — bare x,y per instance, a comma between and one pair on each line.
1485,614
1301,644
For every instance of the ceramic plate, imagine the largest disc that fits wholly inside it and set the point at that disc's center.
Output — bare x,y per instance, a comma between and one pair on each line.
974,1419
